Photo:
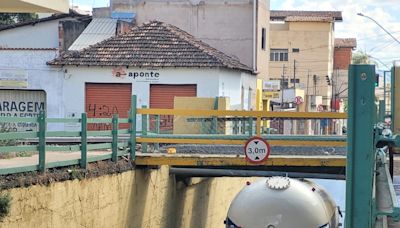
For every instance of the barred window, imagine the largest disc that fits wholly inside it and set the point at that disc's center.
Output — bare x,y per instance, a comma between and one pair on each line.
278,55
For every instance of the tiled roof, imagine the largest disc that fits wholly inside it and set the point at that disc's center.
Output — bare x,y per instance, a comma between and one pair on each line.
52,17
345,43
309,16
153,44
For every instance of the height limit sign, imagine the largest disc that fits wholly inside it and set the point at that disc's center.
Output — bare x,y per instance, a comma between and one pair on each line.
256,150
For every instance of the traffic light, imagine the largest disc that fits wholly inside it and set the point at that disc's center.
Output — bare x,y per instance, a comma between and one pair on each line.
328,80
376,80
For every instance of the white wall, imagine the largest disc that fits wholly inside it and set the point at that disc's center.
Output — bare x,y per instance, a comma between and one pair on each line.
210,83
40,76
41,35
230,85
74,83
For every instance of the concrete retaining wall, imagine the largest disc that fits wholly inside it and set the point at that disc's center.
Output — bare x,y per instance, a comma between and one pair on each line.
139,198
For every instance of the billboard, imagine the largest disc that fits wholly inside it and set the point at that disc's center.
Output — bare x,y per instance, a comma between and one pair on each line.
21,103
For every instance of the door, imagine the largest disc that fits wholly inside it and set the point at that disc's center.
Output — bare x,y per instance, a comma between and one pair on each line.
105,100
162,96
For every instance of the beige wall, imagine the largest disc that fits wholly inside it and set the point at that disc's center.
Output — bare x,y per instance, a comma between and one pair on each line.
226,25
134,199
316,43
263,22
183,126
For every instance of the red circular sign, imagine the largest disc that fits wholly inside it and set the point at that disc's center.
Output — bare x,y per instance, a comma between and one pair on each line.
298,100
257,150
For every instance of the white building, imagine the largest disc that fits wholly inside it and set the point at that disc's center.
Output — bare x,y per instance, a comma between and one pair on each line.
26,81
155,61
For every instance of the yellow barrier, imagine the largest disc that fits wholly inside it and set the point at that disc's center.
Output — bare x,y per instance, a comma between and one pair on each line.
255,114
240,142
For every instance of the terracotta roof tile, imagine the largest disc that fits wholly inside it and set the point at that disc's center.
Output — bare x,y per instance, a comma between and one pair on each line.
311,16
345,43
153,44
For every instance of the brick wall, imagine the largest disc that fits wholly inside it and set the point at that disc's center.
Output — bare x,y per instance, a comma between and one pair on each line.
342,58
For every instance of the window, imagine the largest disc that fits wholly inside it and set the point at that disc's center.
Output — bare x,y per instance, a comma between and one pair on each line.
263,38
295,50
292,80
278,55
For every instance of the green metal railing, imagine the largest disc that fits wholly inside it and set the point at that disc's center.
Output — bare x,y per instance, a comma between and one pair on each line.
81,141
42,147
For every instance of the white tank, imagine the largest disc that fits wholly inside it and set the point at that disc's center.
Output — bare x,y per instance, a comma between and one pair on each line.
281,202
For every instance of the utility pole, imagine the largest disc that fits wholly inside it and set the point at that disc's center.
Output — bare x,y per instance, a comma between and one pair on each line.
307,122
333,86
307,95
282,84
315,84
294,74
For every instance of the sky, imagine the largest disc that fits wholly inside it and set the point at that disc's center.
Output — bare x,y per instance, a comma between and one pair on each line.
370,38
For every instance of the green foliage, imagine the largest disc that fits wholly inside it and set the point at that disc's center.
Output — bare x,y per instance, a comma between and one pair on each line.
12,18
361,57
4,129
5,205
76,174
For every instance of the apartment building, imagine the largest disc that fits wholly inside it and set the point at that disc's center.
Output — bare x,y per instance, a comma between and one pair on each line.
302,50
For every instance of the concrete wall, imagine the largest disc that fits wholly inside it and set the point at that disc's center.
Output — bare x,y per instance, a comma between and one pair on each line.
142,199
263,15
39,75
182,125
315,41
69,31
41,35
225,25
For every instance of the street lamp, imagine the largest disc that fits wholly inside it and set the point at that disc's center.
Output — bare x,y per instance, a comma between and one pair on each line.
362,15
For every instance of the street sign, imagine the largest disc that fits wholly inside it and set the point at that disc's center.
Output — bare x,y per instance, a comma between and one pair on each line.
256,150
298,100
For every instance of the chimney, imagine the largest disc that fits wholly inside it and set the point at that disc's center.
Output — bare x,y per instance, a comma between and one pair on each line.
123,27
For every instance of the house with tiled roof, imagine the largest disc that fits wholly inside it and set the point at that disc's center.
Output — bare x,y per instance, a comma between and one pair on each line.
155,61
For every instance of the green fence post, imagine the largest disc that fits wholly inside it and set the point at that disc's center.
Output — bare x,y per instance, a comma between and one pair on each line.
42,141
83,161
392,98
214,123
114,143
382,110
243,131
250,126
157,145
132,118
360,147
144,129
235,126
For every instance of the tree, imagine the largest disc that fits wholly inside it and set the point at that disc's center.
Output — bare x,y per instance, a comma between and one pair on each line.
12,18
361,57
